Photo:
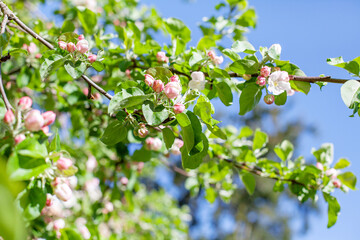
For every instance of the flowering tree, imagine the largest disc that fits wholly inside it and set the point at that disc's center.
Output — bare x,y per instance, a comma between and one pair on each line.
119,104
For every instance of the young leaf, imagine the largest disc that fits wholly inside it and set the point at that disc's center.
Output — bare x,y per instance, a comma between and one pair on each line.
348,179
168,137
114,133
250,96
260,139
224,92
154,115
249,181
333,209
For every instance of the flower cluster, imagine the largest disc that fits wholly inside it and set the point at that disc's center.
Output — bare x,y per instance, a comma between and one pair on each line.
34,120
332,173
32,49
161,57
82,46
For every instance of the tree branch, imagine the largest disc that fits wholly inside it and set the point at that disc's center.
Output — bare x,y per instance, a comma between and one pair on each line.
176,169
2,90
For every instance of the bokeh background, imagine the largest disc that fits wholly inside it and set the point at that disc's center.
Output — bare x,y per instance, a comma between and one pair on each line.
309,33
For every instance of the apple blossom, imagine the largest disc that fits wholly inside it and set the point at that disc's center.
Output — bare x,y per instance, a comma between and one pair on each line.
19,138
63,163
174,78
332,172
49,118
158,86
336,183
45,129
140,166
261,81
9,117
124,180
25,103
279,82
154,144
179,108
93,189
143,132
175,149
49,200
84,231
81,37
82,46
211,54
32,48
71,47
91,163
92,58
197,81
62,45
63,192
38,56
161,57
59,224
172,90
149,80
265,71
320,166
269,99
34,121
218,60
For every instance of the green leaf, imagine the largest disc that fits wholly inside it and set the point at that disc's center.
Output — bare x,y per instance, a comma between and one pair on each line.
348,179
127,98
275,51
32,200
141,155
281,99
333,209
303,87
114,133
224,92
55,143
260,139
204,109
250,96
195,58
217,131
168,137
206,43
75,70
187,132
177,28
245,132
244,66
68,26
285,150
154,115
249,181
98,66
2,109
231,54
351,66
210,195
69,37
349,92
243,46
342,163
247,19
4,41
69,234
88,19
193,161
51,64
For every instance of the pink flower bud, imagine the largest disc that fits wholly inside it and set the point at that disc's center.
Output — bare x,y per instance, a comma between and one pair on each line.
161,57
175,78
59,224
25,103
49,200
265,71
82,46
290,92
92,58
154,144
140,166
124,180
19,138
261,81
97,96
319,166
179,108
331,173
9,117
211,54
81,37
34,121
25,46
64,163
62,45
63,192
269,99
158,86
172,90
85,91
49,118
128,73
336,183
38,56
143,132
71,47
149,80
218,60
175,149
45,130
32,48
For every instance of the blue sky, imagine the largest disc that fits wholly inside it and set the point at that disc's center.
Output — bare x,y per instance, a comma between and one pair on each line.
309,33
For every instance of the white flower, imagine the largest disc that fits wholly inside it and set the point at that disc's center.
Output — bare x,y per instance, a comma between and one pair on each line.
279,82
197,81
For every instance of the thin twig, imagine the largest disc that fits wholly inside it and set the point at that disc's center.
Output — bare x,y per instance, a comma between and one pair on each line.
176,169
3,24
2,91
